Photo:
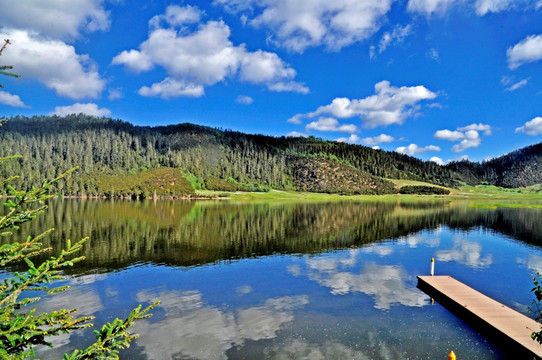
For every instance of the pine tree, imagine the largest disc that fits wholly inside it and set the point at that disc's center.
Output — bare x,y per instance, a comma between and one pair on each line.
22,328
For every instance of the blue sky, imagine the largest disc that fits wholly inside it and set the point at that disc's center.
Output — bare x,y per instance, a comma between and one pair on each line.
436,79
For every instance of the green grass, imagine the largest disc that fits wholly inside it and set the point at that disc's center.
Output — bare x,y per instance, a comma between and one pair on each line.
295,195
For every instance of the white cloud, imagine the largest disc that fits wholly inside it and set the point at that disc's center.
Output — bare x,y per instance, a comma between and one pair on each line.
59,19
449,135
382,138
244,99
204,57
527,50
389,105
297,134
432,54
398,35
115,94
492,6
297,25
177,16
53,63
414,149
330,124
290,86
467,135
517,85
77,108
533,127
472,139
169,88
11,100
430,7
477,127
437,160
352,139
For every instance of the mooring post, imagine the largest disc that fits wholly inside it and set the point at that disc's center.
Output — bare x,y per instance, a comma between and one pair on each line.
432,266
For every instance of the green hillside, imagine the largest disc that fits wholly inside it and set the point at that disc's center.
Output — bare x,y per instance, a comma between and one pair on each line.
116,158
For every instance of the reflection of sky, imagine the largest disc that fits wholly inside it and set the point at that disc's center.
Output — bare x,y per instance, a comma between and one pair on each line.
532,262
385,283
415,240
195,330
466,253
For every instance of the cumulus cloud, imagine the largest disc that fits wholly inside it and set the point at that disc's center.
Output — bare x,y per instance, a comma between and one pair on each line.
77,108
526,51
477,127
533,127
437,160
382,138
330,124
11,100
203,57
53,63
352,139
414,149
177,16
430,7
296,134
244,99
59,19
169,88
468,136
298,25
389,105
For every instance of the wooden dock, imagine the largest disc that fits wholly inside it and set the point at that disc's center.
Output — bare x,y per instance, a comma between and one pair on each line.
507,328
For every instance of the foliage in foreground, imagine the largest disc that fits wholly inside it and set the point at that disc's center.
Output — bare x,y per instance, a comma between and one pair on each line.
21,328
537,308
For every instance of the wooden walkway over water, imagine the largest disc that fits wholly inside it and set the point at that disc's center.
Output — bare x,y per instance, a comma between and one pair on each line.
507,328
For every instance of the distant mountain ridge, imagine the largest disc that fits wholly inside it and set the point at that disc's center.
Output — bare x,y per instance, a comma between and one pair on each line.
117,158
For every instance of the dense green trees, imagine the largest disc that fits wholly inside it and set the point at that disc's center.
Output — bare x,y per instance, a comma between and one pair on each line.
105,147
210,158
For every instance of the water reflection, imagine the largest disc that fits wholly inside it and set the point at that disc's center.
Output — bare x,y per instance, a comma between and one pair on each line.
248,271
193,233
195,330
465,252
384,283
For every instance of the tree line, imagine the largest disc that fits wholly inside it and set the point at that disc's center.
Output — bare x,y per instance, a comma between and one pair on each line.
105,148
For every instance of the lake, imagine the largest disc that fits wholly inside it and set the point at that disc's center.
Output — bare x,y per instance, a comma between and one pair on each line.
283,280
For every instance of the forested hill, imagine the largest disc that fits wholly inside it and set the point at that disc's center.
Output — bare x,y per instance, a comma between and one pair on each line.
117,158
519,168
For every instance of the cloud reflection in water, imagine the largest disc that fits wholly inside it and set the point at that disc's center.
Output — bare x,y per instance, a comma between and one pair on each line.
195,330
466,253
385,283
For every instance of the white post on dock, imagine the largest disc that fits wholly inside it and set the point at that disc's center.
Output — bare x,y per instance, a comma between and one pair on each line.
432,266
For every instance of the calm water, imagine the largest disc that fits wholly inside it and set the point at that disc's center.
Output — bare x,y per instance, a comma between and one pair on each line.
290,280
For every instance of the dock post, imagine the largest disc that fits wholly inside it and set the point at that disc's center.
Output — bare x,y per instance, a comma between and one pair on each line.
432,266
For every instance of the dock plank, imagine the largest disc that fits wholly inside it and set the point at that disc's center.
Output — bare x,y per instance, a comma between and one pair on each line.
510,329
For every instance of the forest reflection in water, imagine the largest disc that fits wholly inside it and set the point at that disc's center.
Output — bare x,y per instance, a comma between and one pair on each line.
289,279
188,233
